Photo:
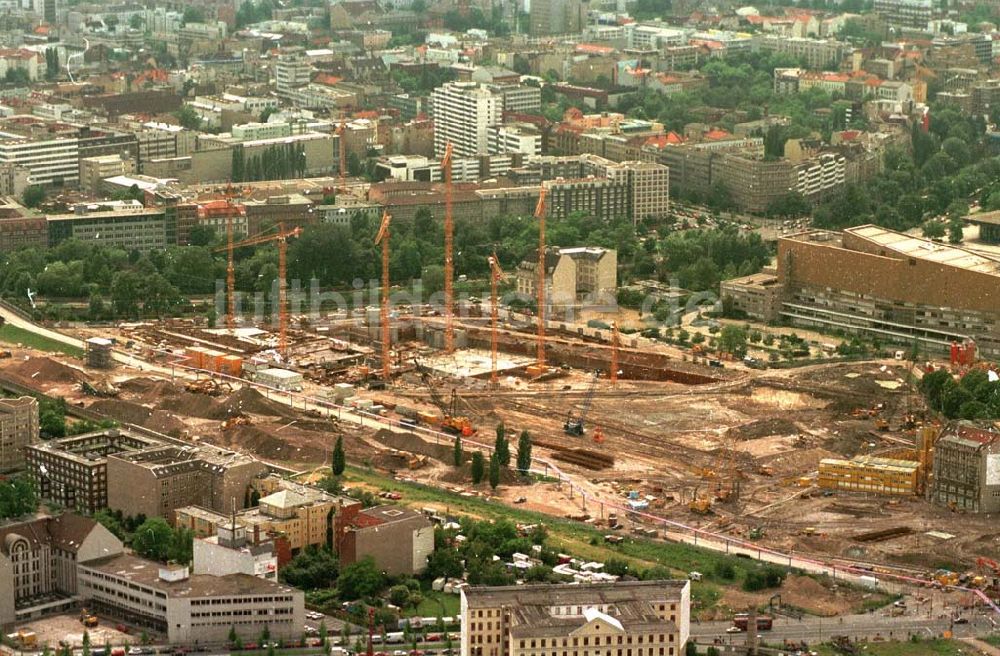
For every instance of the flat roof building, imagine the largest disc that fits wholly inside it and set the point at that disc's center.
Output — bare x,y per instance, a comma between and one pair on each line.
966,468
73,471
642,618
891,285
190,609
156,480
398,538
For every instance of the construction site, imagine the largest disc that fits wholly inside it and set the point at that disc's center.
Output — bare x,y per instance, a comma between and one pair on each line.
829,459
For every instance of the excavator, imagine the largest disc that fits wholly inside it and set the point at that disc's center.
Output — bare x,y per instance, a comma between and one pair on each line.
574,424
451,421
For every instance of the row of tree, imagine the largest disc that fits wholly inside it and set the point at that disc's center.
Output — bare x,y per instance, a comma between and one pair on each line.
277,162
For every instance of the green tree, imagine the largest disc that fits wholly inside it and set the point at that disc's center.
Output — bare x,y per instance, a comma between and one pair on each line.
33,196
955,226
52,418
524,452
108,520
733,339
478,467
360,579
339,459
188,117
933,229
501,447
457,456
494,471
153,538
399,595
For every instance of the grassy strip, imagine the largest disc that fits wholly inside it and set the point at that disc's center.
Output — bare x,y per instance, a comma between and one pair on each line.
921,648
573,537
13,335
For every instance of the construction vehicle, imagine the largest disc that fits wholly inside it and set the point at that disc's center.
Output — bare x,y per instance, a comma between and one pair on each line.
88,620
881,424
451,421
700,506
208,386
233,422
4,354
574,424
101,387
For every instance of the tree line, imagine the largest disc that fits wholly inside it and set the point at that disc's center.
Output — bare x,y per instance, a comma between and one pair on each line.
277,162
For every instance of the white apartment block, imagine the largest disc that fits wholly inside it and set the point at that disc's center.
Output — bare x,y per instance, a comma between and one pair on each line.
291,73
199,608
49,161
821,175
514,139
255,131
463,112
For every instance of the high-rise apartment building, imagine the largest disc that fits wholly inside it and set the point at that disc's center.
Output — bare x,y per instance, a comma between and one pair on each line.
558,16
18,429
463,114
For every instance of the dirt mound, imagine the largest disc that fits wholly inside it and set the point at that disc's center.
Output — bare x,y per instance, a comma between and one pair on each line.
46,370
140,415
149,389
413,444
124,411
249,401
273,442
192,405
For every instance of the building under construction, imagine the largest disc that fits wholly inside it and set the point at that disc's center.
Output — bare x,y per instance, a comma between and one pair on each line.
870,474
967,468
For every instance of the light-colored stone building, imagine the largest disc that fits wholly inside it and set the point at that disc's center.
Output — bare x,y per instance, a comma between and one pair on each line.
585,275
38,560
641,618
302,514
18,429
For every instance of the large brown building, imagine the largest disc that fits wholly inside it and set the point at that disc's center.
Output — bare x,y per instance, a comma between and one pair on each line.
637,618
398,538
157,480
73,471
18,429
966,472
893,286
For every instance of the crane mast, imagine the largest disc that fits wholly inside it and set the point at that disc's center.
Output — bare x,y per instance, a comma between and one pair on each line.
540,283
449,261
383,239
496,276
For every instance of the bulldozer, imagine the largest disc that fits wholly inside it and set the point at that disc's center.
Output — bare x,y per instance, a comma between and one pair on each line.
233,422
700,506
101,387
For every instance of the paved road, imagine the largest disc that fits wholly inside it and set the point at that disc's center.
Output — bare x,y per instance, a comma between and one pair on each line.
858,627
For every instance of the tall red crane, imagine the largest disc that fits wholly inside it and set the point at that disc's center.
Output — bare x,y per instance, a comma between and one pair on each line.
496,276
540,282
449,261
383,239
282,238
230,265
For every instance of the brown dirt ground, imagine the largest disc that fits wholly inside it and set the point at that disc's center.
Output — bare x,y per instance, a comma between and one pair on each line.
801,592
